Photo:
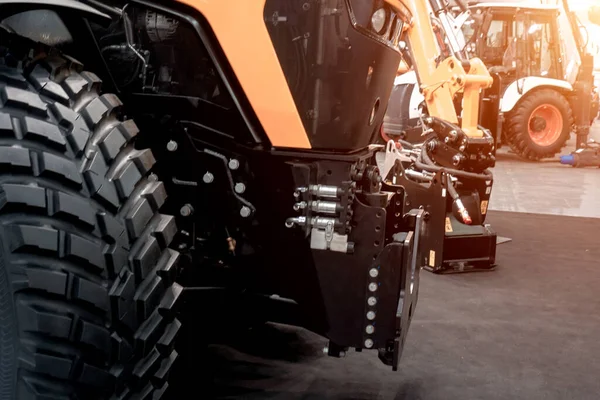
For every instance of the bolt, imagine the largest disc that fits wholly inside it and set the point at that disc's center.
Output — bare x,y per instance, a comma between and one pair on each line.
305,6
368,343
370,329
446,140
371,315
456,160
373,272
186,210
326,350
371,301
153,177
240,188
372,286
245,212
172,145
208,177
234,164
462,148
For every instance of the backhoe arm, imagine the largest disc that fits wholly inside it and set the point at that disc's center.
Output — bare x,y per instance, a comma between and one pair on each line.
441,80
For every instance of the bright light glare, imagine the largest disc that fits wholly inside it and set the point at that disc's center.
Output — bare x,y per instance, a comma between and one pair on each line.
378,20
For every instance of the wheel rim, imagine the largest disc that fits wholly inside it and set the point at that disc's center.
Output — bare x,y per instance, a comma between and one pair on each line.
545,125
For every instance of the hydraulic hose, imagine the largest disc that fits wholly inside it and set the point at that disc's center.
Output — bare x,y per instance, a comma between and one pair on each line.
464,214
451,189
425,163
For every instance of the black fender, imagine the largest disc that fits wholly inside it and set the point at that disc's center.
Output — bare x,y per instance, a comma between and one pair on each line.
11,7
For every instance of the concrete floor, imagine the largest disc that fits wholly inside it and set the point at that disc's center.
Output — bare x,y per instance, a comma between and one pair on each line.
546,187
527,331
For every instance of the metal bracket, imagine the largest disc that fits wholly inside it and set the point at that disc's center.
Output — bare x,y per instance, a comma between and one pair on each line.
387,160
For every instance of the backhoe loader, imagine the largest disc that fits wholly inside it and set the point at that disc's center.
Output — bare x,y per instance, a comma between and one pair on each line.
543,85
543,82
210,151
468,245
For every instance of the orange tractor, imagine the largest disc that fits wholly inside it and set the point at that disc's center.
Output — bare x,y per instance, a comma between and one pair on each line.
220,153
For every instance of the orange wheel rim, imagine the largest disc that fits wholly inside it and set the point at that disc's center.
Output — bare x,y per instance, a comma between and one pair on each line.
545,125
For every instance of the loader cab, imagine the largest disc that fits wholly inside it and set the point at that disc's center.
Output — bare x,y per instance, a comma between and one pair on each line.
519,41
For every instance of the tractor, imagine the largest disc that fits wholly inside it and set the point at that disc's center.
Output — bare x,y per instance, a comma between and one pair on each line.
171,163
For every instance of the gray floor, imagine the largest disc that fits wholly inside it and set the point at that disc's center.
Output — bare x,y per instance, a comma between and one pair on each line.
528,330
546,187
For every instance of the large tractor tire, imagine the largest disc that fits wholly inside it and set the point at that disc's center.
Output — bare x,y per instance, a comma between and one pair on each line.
540,125
86,275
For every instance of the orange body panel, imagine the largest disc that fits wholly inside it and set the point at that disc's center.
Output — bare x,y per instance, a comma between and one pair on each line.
240,29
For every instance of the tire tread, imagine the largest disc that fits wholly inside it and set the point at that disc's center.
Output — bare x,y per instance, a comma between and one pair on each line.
91,271
517,133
